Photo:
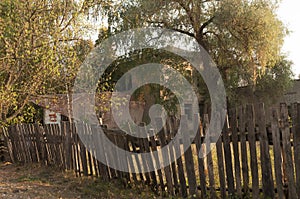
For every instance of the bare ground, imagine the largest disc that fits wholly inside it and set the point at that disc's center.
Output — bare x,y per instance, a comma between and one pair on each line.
45,182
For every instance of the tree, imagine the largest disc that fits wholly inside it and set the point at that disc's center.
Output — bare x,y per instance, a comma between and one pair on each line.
37,40
274,81
149,93
243,37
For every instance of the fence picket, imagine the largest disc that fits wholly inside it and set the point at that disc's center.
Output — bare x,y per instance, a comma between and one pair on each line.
210,163
287,148
296,142
187,175
253,152
236,154
199,145
181,173
242,130
171,132
267,176
188,156
221,167
277,152
228,159
165,157
157,162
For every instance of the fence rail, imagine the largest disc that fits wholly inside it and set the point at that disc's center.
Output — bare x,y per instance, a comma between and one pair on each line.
257,155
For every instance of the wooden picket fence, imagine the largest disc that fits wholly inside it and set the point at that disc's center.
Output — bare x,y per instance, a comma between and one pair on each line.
258,154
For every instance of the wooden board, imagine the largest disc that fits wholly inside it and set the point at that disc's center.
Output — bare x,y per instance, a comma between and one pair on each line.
253,152
199,148
267,176
277,152
236,153
286,142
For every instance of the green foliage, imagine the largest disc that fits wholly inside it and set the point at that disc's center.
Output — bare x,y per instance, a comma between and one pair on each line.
243,37
37,54
42,45
150,93
275,80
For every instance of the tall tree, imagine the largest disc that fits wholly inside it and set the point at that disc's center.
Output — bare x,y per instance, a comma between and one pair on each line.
37,40
243,37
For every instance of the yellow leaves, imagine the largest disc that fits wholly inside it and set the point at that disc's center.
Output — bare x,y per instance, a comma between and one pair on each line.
254,27
35,37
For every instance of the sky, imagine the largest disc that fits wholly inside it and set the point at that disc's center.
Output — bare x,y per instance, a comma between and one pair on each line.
289,13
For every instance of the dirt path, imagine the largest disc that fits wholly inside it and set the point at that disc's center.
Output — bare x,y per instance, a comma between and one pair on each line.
19,182
32,182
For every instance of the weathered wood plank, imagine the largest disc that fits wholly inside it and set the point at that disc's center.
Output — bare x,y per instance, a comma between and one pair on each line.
135,144
150,163
60,147
165,156
170,129
199,149
296,139
67,148
181,172
111,157
286,142
188,156
210,163
76,151
244,156
122,142
83,156
25,143
89,149
100,152
9,144
118,142
29,142
53,144
157,162
277,152
144,160
228,159
236,153
144,148
131,159
253,152
267,176
34,142
221,167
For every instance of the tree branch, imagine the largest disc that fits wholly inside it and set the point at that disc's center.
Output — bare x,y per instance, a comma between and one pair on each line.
205,24
15,114
187,10
184,32
175,29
